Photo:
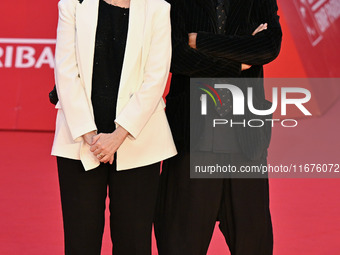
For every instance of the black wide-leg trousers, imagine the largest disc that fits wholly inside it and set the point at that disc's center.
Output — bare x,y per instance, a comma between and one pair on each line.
132,196
188,209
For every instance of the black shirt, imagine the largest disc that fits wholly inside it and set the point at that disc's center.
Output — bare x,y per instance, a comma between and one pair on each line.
110,45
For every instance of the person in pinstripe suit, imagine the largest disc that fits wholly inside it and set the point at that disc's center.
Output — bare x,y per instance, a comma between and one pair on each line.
217,38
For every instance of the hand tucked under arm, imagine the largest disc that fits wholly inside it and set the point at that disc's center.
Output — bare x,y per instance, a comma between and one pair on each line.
254,50
259,49
193,38
189,62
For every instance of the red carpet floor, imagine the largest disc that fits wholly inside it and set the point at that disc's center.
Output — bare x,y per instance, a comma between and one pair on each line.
305,212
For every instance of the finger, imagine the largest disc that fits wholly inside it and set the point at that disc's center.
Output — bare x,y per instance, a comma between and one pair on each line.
245,67
93,148
255,32
260,28
112,159
95,138
96,146
257,29
105,159
98,151
100,156
264,27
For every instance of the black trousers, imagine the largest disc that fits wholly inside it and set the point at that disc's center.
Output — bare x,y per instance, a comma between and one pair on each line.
189,208
132,194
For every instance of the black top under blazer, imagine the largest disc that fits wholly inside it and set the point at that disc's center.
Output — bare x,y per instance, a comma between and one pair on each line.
222,56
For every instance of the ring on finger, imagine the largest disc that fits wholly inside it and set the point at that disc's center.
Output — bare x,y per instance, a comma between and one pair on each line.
100,156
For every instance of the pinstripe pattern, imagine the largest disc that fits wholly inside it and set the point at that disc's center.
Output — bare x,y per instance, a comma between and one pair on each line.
239,45
221,56
187,16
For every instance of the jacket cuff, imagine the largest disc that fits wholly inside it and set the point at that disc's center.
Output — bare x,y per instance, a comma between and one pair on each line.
124,123
77,134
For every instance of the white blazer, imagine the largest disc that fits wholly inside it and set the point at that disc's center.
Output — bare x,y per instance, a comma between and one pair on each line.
140,107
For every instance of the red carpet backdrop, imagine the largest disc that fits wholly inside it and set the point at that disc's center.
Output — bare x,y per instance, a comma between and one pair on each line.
27,38
306,212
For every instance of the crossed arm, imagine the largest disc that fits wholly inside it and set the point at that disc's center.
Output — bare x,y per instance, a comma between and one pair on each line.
226,52
190,62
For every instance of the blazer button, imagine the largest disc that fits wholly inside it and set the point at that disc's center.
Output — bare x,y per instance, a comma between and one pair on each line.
78,75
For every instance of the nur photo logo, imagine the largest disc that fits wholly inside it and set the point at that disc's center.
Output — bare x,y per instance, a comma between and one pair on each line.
238,103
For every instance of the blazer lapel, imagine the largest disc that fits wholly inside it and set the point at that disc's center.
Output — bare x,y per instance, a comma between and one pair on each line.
134,41
209,6
86,25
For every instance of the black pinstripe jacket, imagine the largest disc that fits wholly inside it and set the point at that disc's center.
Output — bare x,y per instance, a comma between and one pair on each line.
221,56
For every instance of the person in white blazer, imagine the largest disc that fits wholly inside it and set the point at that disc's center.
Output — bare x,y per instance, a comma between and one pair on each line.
126,160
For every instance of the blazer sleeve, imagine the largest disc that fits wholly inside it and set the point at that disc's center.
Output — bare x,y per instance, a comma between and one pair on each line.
260,49
191,62
71,92
143,103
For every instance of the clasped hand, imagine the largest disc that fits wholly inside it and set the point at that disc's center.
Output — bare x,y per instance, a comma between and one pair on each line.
104,145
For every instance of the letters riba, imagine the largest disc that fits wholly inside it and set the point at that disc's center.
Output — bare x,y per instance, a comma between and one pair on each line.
17,56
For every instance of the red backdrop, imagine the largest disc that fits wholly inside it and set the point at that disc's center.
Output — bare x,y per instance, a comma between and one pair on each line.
28,30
